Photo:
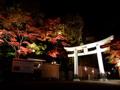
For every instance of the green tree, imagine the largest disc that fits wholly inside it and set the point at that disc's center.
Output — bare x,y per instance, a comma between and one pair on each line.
74,25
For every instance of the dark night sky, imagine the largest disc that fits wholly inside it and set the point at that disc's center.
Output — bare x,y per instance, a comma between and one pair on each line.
101,18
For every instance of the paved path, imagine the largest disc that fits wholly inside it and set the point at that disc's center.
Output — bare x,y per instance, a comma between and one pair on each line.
50,84
110,82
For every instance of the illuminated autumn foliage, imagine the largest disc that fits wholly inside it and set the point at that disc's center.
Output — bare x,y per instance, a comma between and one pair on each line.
53,53
20,31
114,53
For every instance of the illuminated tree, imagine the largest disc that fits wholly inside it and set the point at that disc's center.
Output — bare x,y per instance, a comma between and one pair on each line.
74,29
57,38
18,30
55,31
114,54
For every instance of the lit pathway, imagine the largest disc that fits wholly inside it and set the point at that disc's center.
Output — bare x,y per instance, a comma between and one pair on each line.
112,82
57,84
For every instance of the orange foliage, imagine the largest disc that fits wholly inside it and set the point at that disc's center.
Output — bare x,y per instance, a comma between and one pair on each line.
114,53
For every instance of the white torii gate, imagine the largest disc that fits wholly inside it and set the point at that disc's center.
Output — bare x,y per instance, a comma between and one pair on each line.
85,50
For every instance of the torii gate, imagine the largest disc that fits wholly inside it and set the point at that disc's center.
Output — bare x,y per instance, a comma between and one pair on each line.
85,50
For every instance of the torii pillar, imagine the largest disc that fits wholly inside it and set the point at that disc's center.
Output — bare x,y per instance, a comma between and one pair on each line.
76,65
100,63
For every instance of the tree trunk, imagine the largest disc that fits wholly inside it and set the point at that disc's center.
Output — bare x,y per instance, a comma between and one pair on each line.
119,71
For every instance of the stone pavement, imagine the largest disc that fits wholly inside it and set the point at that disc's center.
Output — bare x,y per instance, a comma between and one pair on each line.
57,84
